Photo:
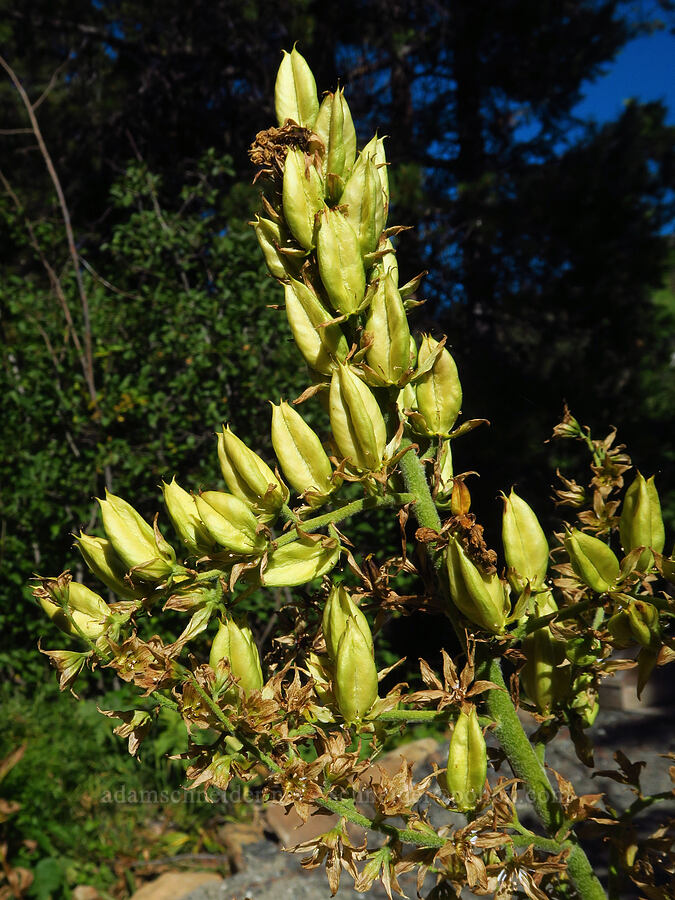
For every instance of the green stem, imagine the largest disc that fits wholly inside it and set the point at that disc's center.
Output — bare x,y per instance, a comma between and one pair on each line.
519,751
344,512
416,715
415,480
564,613
527,839
166,702
424,715
289,515
405,835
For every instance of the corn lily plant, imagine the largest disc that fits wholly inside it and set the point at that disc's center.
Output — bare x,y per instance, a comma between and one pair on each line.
304,723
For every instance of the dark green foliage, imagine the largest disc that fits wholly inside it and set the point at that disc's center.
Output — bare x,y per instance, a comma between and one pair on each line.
88,809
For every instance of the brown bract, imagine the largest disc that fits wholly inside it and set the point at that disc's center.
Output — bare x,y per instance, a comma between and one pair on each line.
268,150
148,664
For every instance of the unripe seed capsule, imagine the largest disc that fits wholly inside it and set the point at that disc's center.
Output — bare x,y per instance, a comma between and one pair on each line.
295,91
186,520
481,598
135,541
230,522
525,544
300,561
320,347
439,392
87,610
467,762
364,202
335,127
340,262
356,420
301,454
387,325
375,150
545,676
643,619
619,627
338,610
641,523
101,559
272,240
592,560
302,197
355,673
234,642
249,478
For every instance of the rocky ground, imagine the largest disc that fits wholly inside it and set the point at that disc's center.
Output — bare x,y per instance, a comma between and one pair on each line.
264,872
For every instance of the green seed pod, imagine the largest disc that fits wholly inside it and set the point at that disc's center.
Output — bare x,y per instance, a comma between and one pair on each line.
525,544
375,150
355,682
136,543
249,478
585,702
302,197
467,762
279,255
364,202
340,262
584,650
338,609
387,325
619,627
230,522
643,620
88,611
295,95
105,564
186,520
592,560
482,598
320,347
641,523
335,127
301,455
234,642
439,392
545,676
356,420
300,561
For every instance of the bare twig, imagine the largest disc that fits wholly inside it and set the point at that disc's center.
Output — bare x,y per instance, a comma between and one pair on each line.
65,213
52,82
54,280
106,284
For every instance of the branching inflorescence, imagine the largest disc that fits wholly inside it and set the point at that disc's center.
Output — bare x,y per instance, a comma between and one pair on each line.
306,723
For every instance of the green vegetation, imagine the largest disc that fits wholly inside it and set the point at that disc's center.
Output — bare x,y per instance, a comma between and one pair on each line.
551,276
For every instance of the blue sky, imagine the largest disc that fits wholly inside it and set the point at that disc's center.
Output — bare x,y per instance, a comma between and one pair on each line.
644,69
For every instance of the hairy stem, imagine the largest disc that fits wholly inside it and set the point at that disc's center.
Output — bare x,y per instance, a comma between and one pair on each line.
344,512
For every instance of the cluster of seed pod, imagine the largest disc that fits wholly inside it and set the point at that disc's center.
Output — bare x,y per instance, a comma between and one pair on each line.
325,238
